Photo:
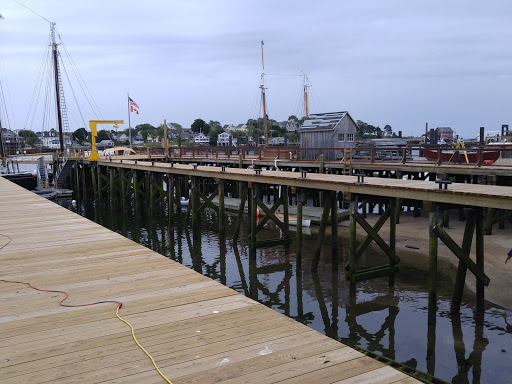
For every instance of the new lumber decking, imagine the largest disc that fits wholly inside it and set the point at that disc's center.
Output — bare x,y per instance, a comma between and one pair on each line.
197,330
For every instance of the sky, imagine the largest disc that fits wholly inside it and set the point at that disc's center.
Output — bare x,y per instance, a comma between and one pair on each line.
402,63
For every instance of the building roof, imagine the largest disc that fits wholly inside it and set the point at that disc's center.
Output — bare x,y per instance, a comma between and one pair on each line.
324,121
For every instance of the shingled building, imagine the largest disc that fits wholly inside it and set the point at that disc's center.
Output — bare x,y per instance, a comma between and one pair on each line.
328,130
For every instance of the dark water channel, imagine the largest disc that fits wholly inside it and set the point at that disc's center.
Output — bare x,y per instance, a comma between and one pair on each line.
472,348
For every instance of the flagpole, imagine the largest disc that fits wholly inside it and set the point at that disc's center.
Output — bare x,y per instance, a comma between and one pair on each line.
129,122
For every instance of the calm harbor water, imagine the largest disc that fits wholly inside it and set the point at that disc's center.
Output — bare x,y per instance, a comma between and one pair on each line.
472,348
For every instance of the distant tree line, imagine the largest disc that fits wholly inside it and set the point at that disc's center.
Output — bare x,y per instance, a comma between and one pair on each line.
368,131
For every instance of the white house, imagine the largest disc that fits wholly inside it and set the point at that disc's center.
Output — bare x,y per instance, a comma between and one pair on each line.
201,139
51,140
276,141
223,138
105,144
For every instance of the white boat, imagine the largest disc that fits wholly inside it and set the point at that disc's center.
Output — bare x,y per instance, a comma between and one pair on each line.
184,202
292,220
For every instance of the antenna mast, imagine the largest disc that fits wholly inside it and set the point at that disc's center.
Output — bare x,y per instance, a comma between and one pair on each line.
262,86
57,86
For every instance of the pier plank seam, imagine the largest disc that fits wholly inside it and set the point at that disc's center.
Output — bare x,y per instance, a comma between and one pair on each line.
130,364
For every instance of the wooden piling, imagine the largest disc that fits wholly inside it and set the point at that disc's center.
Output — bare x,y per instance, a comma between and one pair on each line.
321,169
170,197
94,181
460,280
491,180
152,191
123,192
135,190
253,216
286,217
321,233
393,210
222,209
111,172
352,237
243,198
334,230
432,261
479,239
194,200
298,251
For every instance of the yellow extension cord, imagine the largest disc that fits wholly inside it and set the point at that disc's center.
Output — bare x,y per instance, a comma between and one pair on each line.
140,346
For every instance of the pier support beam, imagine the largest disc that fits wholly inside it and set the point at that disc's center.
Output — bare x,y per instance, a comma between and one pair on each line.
222,209
432,260
461,269
298,251
243,198
321,233
170,197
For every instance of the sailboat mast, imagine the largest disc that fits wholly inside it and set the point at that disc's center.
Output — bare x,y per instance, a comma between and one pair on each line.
2,153
306,86
57,86
262,86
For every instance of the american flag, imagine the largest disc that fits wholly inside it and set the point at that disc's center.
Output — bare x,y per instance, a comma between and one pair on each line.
133,106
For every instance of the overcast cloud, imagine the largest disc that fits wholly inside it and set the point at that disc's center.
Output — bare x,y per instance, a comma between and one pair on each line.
403,63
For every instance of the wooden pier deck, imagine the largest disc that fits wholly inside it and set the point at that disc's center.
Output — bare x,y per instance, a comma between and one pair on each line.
197,330
458,193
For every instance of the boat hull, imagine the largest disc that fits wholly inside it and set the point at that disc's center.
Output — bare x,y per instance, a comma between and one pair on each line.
460,156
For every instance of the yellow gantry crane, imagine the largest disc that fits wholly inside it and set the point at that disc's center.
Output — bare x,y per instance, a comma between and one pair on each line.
92,125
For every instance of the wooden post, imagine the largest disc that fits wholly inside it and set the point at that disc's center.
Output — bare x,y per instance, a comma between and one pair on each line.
321,170
124,187
178,192
321,233
253,216
170,197
194,199
147,186
94,180
298,252
461,270
243,197
84,184
99,185
334,230
111,186
432,261
135,190
222,209
352,237
491,180
286,217
479,239
392,234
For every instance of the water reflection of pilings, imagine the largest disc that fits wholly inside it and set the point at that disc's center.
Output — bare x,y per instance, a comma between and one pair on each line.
474,359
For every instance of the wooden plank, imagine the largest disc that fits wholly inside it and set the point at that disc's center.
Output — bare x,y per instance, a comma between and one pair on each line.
189,323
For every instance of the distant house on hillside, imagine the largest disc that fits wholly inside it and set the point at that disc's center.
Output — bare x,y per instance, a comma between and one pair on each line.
201,139
291,126
328,130
51,140
223,139
105,144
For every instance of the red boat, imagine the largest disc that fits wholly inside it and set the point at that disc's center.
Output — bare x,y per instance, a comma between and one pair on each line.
461,156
